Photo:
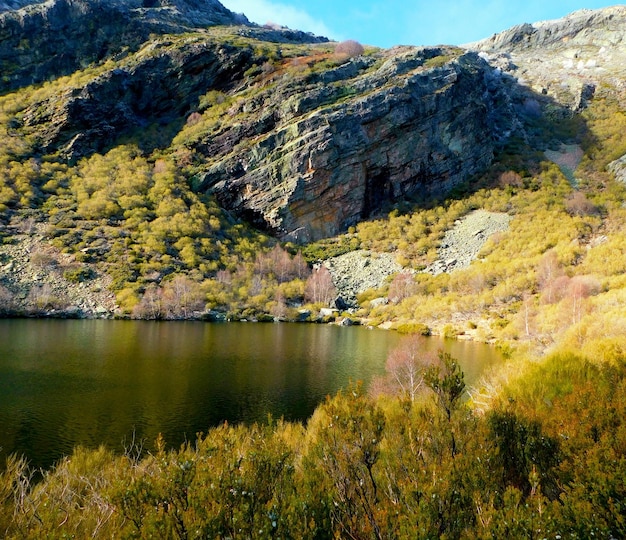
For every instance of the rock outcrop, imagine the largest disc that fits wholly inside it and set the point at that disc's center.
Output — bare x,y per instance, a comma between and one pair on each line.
44,40
565,59
318,155
162,84
618,168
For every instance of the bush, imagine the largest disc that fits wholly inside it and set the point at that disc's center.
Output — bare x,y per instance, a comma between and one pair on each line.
577,204
79,274
413,328
42,259
349,48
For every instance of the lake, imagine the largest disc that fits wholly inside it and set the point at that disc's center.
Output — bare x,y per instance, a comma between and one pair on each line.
70,382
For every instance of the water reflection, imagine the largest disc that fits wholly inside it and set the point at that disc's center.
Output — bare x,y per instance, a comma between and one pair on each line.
64,383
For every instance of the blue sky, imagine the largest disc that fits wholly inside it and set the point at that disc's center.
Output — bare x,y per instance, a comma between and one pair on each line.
406,22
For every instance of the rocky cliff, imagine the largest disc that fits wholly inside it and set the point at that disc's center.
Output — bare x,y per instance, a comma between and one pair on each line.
566,59
312,142
315,156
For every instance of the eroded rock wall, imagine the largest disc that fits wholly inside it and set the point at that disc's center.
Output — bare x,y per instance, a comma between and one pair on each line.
407,129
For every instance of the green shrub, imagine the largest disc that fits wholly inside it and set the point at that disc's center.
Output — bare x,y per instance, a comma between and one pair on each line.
79,274
413,328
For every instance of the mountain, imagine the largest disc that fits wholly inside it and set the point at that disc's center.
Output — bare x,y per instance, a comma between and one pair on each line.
307,154
566,59
146,138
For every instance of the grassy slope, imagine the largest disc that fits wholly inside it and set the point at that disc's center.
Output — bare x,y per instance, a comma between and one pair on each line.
546,450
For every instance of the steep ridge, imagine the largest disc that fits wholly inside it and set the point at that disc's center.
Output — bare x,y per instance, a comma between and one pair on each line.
566,59
48,39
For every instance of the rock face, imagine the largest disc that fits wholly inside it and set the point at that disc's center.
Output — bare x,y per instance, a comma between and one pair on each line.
566,59
43,40
302,156
324,153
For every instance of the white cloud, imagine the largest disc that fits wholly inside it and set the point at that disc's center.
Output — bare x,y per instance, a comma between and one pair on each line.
263,11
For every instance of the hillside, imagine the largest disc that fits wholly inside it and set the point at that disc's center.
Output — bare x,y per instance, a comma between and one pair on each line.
186,162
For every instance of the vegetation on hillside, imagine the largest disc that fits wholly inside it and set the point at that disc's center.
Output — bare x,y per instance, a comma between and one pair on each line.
546,460
537,450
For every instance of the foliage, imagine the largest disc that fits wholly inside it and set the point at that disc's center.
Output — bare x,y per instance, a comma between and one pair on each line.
361,468
349,48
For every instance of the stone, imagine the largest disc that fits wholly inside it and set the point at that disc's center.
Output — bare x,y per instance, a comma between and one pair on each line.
565,59
324,163
618,168
303,315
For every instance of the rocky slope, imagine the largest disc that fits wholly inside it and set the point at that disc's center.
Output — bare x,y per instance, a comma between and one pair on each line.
358,271
315,156
44,282
463,242
566,59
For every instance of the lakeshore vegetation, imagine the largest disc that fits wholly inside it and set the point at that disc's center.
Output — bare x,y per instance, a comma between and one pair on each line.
546,460
537,450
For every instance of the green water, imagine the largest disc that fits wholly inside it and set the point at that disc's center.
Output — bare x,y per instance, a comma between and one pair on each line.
64,383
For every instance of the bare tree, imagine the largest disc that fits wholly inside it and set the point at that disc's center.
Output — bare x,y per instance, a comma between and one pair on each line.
349,48
151,304
181,297
281,264
300,267
577,204
320,288
402,286
579,288
510,178
528,312
405,366
43,297
548,271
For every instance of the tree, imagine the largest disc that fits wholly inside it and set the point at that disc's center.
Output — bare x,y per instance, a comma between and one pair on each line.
320,288
446,379
405,367
349,48
548,271
521,448
579,288
402,286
